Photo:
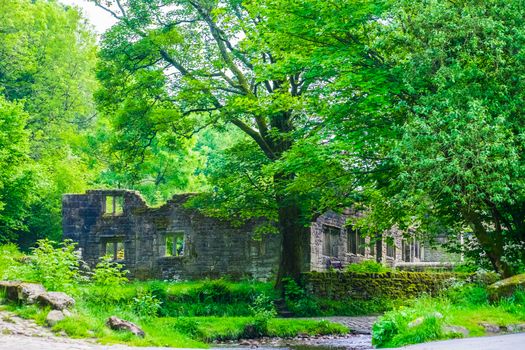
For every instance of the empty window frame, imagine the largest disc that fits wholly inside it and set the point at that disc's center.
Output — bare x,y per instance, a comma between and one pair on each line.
356,242
115,249
352,241
361,244
390,250
417,250
175,244
406,251
114,205
379,249
332,236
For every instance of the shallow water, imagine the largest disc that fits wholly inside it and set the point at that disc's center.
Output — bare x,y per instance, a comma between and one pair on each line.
354,342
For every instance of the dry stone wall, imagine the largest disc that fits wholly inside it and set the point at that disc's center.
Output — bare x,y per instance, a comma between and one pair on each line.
393,285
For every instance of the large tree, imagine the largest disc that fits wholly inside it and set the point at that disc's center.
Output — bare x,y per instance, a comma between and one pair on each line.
460,158
176,66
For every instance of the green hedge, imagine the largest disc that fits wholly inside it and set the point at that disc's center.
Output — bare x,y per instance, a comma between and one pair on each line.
366,286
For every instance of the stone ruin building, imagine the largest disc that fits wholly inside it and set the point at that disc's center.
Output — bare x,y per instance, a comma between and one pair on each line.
174,242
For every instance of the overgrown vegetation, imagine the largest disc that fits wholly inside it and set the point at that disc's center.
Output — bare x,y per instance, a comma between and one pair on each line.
176,314
368,266
427,319
304,304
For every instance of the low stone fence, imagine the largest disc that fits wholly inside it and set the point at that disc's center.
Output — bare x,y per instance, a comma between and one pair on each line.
365,286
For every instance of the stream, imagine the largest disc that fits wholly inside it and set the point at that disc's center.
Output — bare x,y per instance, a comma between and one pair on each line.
350,342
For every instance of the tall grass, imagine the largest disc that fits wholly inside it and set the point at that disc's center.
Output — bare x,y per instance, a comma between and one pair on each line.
428,318
185,314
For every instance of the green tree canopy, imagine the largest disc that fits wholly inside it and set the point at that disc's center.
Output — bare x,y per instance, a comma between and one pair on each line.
47,57
175,67
460,157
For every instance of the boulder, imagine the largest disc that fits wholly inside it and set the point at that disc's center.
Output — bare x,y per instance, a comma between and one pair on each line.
10,288
54,316
456,330
29,292
491,328
56,300
516,328
118,324
418,321
506,287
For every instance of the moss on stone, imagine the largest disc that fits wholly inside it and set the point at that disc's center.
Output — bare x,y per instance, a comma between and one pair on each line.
506,287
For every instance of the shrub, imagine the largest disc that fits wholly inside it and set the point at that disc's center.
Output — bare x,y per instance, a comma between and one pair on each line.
468,295
263,311
298,301
292,291
145,305
368,266
467,267
55,268
421,322
213,291
108,273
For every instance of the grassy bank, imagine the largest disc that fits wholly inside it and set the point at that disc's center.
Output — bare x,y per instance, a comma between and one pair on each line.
174,314
460,311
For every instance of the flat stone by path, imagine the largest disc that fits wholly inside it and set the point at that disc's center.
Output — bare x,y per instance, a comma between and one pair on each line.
10,324
359,324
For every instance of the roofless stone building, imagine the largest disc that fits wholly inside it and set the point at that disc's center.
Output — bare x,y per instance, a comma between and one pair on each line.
175,242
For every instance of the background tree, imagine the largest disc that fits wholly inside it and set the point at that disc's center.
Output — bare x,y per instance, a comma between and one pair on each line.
47,57
15,176
460,158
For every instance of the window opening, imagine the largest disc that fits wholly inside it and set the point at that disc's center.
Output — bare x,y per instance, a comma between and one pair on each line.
115,249
114,205
352,241
361,244
390,250
175,244
331,240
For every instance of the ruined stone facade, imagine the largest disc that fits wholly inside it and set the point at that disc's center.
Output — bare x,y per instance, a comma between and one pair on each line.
168,242
173,242
334,237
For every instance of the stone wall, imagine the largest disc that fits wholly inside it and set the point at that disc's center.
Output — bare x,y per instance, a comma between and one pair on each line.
120,222
345,285
212,248
338,227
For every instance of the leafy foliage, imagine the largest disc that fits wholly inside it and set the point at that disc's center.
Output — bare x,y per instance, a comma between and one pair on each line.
460,157
146,305
367,266
109,273
56,268
46,81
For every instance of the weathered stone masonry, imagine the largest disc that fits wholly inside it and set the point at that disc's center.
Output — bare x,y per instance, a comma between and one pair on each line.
120,223
174,242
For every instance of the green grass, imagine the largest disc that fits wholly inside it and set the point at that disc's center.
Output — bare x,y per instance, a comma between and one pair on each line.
94,305
191,331
472,317
466,306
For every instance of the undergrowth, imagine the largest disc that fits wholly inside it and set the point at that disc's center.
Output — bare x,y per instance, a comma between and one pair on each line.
428,319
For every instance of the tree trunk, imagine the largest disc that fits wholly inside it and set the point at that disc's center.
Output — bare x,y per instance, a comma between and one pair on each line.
493,246
491,243
294,241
